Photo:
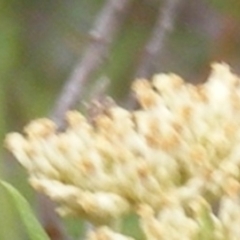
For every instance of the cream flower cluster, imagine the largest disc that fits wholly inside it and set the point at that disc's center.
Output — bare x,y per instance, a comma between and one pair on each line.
175,161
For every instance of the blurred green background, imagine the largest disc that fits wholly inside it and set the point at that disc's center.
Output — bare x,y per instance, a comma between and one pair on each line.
41,42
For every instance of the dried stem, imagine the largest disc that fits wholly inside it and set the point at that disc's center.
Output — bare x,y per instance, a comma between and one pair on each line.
154,47
106,27
50,220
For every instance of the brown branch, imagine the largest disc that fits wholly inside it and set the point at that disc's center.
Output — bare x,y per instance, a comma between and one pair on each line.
106,27
154,47
105,30
50,220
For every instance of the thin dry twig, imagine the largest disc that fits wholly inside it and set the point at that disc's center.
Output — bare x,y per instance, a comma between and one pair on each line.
106,28
153,49
164,25
50,220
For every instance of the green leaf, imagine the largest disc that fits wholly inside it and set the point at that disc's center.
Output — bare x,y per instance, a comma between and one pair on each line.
33,227
230,7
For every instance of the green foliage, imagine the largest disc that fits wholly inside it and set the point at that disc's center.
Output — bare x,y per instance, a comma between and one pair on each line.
10,228
33,227
231,7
